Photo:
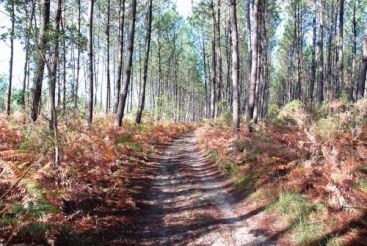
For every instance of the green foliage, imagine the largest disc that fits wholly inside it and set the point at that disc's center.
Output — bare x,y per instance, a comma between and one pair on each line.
33,188
224,119
229,168
36,229
306,231
3,87
135,146
328,126
213,155
39,208
292,205
334,241
273,109
123,138
37,138
300,214
361,185
293,106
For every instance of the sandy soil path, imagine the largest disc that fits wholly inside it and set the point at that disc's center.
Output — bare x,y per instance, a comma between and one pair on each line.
189,203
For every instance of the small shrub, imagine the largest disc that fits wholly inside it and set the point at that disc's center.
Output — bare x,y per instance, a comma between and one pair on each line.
306,231
334,241
294,111
224,119
123,138
229,168
328,126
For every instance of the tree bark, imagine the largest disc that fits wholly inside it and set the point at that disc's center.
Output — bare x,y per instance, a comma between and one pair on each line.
362,78
90,68
214,62
235,68
321,53
121,55
27,52
125,85
78,58
313,63
108,93
53,71
12,16
146,61
253,75
340,64
354,53
40,61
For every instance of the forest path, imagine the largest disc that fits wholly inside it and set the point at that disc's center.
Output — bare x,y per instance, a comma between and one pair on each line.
189,203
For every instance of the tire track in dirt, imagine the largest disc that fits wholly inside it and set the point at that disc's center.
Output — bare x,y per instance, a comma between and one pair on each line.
189,203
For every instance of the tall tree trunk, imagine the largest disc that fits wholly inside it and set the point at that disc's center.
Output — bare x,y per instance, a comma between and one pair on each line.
90,63
219,80
313,63
206,78
362,77
146,62
340,60
12,16
108,93
235,68
78,58
121,55
329,56
214,62
321,53
354,53
40,61
27,52
64,67
53,70
253,75
52,123
125,85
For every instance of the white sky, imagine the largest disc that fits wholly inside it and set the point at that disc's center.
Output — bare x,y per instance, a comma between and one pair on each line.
184,7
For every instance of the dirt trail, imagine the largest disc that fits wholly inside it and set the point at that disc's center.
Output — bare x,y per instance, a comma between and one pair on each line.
189,203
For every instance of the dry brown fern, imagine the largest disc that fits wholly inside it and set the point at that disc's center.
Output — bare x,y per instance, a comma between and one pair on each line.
17,155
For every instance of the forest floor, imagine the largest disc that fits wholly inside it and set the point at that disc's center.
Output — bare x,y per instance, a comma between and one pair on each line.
298,178
189,202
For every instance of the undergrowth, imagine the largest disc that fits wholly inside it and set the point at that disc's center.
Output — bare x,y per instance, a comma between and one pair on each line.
53,204
309,164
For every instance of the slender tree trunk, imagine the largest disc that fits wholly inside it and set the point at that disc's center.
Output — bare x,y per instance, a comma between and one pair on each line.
121,55
362,77
354,53
78,58
206,78
12,16
27,49
53,70
253,75
329,57
108,93
214,62
52,124
64,67
340,63
90,71
125,85
146,62
235,68
219,79
313,63
40,61
321,53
